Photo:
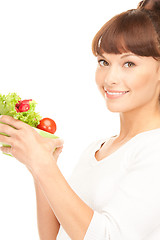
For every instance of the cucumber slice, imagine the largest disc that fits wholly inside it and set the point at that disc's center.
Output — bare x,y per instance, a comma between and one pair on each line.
45,134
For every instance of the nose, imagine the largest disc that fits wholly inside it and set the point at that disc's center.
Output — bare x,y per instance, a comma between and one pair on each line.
112,75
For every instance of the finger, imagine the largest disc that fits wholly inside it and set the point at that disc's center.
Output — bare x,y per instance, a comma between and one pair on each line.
54,143
5,140
12,121
7,150
6,129
57,152
58,142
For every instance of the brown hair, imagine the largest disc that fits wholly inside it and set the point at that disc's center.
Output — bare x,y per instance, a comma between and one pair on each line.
136,31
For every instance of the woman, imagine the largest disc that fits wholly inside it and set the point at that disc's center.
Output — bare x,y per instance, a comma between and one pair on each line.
113,192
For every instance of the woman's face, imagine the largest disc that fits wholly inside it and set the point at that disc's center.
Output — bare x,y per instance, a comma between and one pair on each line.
140,76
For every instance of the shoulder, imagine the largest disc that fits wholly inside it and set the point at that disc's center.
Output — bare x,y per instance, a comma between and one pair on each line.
88,153
86,156
148,142
144,149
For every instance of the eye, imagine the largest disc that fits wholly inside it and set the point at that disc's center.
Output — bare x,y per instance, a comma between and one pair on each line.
103,63
129,64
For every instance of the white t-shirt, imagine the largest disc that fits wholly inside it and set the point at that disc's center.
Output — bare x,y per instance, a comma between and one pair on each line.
123,189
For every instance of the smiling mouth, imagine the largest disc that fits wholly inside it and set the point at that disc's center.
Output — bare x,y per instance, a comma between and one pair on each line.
113,95
116,93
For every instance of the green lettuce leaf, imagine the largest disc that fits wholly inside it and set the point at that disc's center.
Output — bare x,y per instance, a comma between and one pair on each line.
7,107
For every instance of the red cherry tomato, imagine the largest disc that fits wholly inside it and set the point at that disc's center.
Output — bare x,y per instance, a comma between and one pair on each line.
48,125
24,107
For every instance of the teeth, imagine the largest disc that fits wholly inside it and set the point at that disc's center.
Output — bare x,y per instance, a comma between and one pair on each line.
116,93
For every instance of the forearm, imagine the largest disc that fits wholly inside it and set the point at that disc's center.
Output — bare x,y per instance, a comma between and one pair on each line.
48,225
73,214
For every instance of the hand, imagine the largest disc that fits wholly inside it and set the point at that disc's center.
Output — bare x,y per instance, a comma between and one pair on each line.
27,145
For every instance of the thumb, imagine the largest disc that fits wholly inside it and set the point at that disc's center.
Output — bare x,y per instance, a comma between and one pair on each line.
58,142
55,143
57,152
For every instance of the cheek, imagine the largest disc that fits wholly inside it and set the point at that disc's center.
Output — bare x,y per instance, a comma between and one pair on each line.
142,88
99,78
142,83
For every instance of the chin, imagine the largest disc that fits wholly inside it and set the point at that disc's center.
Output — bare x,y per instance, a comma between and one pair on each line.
115,109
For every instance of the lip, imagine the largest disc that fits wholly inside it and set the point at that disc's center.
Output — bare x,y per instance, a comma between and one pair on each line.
114,96
114,91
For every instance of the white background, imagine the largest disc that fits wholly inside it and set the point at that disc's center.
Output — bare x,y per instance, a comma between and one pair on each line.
45,54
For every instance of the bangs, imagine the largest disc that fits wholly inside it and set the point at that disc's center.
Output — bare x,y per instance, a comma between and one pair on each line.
130,31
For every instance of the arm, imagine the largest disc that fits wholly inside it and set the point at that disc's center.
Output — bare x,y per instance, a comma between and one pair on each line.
72,213
48,225
133,212
36,152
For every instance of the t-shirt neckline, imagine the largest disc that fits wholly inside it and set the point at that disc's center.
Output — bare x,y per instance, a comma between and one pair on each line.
121,147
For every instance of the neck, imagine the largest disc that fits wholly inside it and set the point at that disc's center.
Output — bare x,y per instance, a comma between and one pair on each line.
136,122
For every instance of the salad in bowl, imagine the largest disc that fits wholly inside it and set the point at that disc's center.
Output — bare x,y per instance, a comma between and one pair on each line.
24,110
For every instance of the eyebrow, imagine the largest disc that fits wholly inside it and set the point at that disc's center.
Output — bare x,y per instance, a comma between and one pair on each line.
123,56
129,54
